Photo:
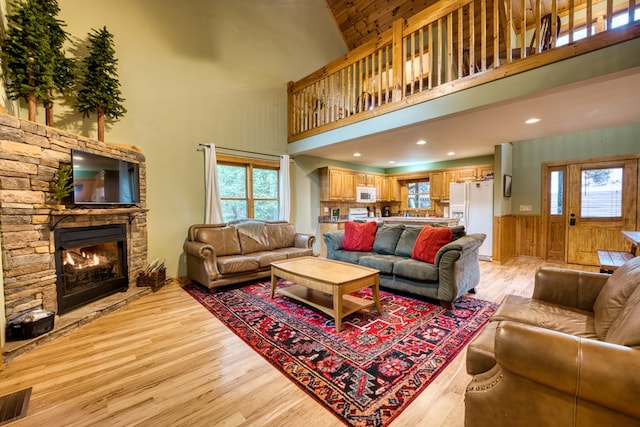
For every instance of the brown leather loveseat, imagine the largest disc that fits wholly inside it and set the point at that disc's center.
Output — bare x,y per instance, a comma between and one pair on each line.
222,254
568,356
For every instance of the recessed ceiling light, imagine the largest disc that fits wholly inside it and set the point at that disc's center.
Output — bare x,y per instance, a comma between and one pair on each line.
532,120
421,142
356,154
451,153
391,162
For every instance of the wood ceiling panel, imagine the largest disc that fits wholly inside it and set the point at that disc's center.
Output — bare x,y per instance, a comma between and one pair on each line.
363,20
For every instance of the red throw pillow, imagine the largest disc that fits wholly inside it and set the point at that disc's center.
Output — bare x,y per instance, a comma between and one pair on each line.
359,236
429,242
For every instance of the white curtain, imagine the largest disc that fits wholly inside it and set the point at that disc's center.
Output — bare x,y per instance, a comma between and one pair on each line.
285,189
213,209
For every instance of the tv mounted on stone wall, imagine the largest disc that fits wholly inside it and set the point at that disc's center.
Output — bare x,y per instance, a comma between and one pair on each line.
102,180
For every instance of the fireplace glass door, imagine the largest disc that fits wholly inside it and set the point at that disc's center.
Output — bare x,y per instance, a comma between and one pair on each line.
91,263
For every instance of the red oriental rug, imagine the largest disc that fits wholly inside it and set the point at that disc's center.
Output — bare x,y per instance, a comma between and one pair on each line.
369,372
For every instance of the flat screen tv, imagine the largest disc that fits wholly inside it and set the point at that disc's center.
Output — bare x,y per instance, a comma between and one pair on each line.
102,180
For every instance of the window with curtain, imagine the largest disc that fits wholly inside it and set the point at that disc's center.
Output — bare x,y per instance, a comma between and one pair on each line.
248,189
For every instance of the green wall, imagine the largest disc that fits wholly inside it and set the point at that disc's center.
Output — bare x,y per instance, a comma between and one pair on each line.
201,72
529,155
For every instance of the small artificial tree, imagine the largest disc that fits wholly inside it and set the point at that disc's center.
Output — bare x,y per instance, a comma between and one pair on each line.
32,57
64,69
62,184
99,87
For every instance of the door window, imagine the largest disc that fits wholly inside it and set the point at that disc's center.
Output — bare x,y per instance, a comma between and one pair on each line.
556,192
601,193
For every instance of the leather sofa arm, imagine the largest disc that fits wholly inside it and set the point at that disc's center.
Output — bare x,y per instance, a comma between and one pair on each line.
571,288
200,250
305,241
582,368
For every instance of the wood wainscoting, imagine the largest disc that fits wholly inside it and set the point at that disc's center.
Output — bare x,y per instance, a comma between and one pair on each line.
517,235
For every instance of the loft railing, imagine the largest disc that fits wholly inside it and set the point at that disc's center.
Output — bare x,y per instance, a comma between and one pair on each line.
450,46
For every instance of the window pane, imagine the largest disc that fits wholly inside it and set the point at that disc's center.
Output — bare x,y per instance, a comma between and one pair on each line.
233,209
419,195
601,193
266,210
265,184
556,193
233,182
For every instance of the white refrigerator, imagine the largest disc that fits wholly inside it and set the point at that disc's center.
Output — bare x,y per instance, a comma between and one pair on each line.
472,204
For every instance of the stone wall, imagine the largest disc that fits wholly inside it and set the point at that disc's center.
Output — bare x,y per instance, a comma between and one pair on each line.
30,154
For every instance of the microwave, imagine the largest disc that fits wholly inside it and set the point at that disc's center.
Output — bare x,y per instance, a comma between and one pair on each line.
365,194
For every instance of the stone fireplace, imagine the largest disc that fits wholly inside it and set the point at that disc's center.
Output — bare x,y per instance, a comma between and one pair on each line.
38,239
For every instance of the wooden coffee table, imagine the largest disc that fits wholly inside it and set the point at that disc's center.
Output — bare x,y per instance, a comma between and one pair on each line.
325,284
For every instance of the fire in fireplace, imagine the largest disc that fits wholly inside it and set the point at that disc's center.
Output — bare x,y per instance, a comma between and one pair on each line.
91,263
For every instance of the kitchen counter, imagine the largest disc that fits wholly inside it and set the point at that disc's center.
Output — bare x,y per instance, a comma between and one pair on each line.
449,222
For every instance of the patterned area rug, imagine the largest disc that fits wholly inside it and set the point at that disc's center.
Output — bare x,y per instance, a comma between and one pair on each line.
369,372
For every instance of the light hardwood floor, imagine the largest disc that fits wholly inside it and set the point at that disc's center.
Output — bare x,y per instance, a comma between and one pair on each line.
164,360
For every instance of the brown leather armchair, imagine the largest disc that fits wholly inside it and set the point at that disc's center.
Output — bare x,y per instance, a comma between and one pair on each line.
569,356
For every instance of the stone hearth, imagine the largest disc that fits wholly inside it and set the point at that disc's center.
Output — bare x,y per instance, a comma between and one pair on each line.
30,154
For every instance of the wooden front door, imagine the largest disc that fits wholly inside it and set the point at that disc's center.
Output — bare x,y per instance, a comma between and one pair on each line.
601,202
555,206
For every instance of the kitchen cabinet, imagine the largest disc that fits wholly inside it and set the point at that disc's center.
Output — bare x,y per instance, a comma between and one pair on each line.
382,188
337,184
484,171
447,178
466,174
365,179
436,186
394,189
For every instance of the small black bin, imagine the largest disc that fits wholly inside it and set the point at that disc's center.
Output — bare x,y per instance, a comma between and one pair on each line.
31,324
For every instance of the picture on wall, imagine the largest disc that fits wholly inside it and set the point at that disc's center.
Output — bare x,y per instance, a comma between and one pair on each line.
507,186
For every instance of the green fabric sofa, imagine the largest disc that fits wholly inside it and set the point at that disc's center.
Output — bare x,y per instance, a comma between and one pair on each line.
455,271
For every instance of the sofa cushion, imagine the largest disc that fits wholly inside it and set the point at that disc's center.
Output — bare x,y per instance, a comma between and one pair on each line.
416,270
407,240
265,258
614,295
280,235
429,242
234,264
253,237
625,330
359,236
387,238
457,232
546,315
292,252
350,256
384,263
224,239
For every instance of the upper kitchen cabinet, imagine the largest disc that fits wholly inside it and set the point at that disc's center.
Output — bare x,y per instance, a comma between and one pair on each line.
365,179
337,184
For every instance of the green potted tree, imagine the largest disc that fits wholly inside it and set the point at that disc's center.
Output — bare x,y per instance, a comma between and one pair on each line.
99,87
62,185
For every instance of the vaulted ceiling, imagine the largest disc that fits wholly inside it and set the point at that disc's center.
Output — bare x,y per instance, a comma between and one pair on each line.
363,20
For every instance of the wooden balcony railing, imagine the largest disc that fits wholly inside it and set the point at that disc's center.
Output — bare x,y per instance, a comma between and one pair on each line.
450,46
